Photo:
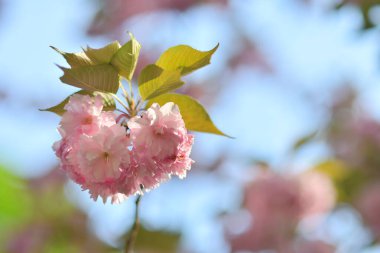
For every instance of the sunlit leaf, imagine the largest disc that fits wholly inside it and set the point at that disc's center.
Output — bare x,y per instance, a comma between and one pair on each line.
108,102
92,78
185,58
193,113
126,57
154,81
104,54
90,56
75,60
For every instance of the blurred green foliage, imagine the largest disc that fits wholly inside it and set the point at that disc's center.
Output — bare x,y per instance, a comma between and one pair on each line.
365,7
14,203
347,182
157,241
35,217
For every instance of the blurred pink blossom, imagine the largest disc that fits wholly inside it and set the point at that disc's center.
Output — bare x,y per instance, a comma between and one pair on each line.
114,12
317,193
277,203
353,134
369,207
358,143
310,247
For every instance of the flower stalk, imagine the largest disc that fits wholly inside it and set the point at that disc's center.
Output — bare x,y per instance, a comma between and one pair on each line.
129,245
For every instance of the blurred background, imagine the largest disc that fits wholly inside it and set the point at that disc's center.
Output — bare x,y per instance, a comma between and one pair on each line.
296,82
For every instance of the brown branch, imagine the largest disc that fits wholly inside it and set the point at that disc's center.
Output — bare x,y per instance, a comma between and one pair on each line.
134,230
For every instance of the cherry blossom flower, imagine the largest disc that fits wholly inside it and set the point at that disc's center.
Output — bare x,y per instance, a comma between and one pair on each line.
97,162
94,150
158,131
84,115
109,161
161,143
100,157
62,149
103,159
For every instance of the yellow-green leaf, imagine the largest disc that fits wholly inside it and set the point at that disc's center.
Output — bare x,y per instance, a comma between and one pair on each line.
185,58
154,81
125,59
193,113
90,56
75,60
92,78
104,54
108,102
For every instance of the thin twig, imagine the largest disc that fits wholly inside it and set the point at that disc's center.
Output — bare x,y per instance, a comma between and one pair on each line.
135,229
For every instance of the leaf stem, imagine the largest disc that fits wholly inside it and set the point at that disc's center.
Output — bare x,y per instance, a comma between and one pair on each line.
119,100
124,91
135,229
130,88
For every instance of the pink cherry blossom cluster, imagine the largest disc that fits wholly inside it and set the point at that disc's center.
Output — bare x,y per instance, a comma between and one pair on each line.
114,160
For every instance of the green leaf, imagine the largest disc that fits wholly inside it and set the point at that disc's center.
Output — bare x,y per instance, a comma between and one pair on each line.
90,56
154,81
104,54
185,58
108,102
125,59
92,78
194,115
75,60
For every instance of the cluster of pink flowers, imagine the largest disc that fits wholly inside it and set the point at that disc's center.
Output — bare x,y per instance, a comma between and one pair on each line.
276,204
114,160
